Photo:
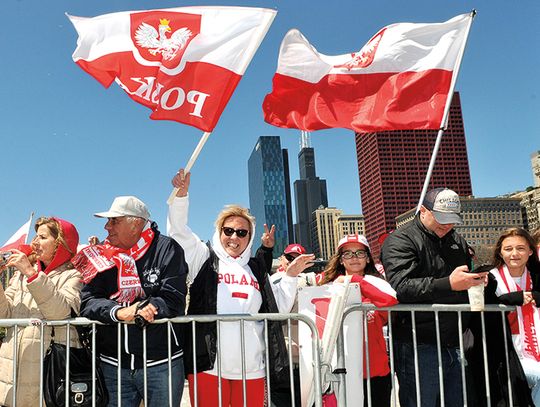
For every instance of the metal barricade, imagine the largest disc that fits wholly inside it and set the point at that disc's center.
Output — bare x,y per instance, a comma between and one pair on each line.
289,319
413,309
17,324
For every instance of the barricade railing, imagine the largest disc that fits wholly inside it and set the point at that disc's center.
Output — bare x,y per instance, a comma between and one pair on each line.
413,309
287,319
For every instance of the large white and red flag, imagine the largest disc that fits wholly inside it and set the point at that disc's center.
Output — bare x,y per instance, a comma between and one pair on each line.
19,237
183,63
399,80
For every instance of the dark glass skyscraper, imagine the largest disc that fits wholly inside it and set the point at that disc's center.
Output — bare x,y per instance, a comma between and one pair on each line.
269,191
310,193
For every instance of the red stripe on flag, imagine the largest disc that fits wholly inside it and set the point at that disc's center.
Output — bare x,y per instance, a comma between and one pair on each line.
196,96
240,295
15,245
361,102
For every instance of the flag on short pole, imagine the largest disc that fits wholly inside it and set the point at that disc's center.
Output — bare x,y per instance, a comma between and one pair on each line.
183,63
399,80
19,237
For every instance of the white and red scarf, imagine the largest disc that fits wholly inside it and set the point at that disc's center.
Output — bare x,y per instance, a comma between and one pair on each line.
97,258
528,316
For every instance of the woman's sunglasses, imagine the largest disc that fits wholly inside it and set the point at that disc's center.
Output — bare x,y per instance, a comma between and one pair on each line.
241,233
289,257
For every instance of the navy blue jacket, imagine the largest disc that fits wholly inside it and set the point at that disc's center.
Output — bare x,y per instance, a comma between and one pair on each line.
162,271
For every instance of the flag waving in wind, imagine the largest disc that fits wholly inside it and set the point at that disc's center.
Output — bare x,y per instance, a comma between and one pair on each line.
183,63
399,80
19,237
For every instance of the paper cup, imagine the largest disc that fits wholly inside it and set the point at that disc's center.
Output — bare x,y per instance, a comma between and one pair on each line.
476,297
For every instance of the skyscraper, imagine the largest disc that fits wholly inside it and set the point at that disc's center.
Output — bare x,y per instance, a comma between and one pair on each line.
290,224
269,200
535,165
310,193
392,167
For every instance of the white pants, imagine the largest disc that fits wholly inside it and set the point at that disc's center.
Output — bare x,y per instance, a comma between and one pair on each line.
532,372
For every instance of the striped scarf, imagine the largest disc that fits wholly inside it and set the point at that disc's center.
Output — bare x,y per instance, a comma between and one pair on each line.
97,258
528,317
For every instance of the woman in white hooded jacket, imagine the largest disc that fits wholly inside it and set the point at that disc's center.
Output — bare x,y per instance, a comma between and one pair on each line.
225,279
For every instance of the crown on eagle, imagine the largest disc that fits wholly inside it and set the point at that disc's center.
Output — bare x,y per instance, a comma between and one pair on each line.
164,21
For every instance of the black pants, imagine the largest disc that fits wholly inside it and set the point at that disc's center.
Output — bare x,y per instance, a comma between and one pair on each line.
381,389
281,396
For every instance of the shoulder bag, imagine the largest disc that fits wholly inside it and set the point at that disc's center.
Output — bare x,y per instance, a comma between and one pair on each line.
80,375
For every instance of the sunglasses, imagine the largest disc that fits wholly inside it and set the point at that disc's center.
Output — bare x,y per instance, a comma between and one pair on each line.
289,257
241,233
361,254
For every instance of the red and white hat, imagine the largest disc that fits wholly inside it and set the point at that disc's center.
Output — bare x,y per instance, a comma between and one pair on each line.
295,248
353,239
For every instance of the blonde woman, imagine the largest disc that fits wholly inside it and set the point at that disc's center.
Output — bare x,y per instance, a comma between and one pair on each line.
227,280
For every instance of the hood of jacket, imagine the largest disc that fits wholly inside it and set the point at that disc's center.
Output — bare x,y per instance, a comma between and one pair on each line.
63,255
243,259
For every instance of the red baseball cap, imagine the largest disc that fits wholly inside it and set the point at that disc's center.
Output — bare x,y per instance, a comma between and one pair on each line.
295,248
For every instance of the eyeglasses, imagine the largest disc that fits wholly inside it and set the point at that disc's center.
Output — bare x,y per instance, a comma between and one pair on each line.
361,254
241,233
289,257
116,221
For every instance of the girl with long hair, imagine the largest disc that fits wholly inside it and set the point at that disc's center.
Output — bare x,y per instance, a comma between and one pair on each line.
353,258
517,273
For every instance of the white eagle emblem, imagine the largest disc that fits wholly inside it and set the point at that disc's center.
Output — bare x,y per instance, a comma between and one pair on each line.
158,43
365,56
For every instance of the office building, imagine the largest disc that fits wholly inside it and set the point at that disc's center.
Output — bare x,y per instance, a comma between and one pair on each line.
267,174
535,165
324,232
530,206
328,226
350,225
392,167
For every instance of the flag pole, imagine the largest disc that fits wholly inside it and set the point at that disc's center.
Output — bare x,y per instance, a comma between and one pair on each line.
190,163
444,122
29,226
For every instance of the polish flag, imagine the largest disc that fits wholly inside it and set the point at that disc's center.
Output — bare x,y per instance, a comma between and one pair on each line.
399,80
18,238
183,63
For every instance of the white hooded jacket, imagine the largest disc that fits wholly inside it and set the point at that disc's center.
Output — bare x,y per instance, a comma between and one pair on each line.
237,293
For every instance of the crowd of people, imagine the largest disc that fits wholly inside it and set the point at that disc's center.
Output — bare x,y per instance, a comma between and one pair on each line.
139,275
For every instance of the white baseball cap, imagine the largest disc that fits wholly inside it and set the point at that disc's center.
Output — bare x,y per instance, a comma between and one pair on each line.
126,206
353,239
445,205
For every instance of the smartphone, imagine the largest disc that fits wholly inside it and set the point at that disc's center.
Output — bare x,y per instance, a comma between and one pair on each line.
483,268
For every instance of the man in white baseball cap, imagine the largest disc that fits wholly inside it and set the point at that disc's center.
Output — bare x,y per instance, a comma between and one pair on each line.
137,275
428,262
127,216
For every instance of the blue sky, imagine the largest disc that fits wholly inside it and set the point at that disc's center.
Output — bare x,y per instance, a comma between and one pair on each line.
69,146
